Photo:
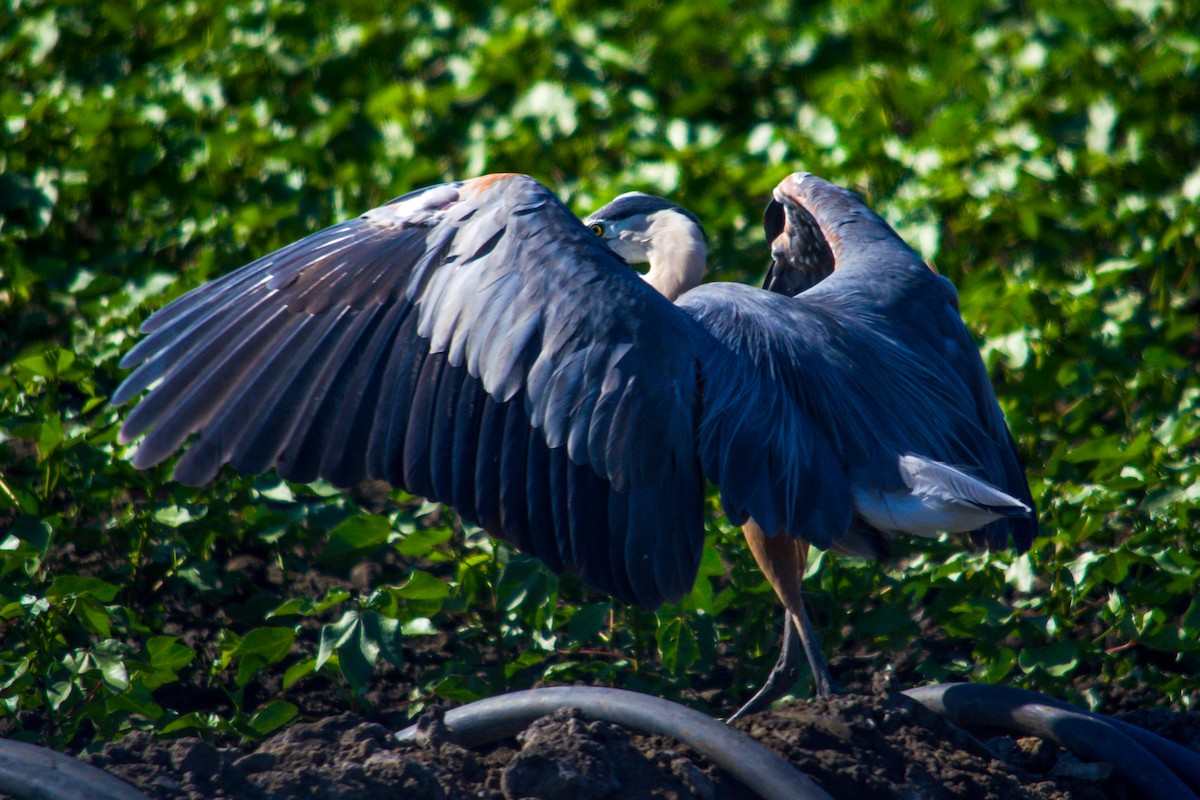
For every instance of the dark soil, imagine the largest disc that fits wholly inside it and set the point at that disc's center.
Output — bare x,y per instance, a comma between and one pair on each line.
870,743
856,746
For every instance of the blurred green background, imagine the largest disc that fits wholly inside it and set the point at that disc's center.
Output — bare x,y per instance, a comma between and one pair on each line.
1045,156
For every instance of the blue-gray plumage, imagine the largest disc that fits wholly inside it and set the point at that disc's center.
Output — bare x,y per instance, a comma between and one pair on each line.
882,281
635,205
476,344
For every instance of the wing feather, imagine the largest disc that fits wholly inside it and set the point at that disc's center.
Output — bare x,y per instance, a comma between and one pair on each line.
468,411
347,428
473,343
536,483
290,411
232,421
491,448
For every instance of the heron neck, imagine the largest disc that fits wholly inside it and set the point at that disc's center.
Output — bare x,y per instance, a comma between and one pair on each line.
677,261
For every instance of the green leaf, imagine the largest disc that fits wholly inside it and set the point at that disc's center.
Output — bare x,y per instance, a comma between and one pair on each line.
997,667
272,716
1021,574
174,516
1109,448
301,669
422,542
418,626
50,437
335,635
588,621
49,364
58,692
270,643
137,700
423,586
677,646
306,607
358,639
93,616
165,652
257,650
75,585
355,664
1079,567
274,489
1056,659
112,669
17,671
385,634
287,608
28,538
524,582
354,535
188,722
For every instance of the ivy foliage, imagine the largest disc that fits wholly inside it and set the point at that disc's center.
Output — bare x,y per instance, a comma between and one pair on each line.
1045,157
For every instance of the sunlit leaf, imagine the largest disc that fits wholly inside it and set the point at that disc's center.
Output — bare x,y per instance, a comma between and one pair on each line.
273,716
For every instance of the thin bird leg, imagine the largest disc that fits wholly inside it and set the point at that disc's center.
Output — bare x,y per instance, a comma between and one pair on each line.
783,675
822,677
782,561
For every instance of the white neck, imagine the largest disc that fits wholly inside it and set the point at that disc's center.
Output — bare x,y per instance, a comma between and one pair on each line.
677,256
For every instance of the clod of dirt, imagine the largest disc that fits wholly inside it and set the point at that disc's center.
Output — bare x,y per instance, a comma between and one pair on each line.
564,756
340,758
188,768
887,745
693,778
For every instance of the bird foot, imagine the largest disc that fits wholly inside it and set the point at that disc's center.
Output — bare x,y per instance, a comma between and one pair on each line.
783,675
786,672
781,680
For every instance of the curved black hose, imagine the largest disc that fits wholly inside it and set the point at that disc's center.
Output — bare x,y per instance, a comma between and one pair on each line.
1154,766
29,772
750,762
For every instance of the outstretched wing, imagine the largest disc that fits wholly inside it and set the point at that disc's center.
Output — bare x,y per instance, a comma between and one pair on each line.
471,342
880,286
855,404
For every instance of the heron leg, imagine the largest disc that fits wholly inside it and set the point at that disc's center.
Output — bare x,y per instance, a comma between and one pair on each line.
782,561
822,677
783,675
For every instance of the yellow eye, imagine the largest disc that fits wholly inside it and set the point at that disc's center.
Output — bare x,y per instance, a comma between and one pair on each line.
596,228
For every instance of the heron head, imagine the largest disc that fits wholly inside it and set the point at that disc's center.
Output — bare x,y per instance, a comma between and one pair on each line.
801,256
644,229
635,225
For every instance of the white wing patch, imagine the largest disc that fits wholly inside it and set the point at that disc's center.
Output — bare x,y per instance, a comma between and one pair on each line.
940,498
426,208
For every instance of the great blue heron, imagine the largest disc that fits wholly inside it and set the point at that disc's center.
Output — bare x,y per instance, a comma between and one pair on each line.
476,344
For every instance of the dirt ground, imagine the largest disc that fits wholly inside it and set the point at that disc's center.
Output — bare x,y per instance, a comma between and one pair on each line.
856,746
871,742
